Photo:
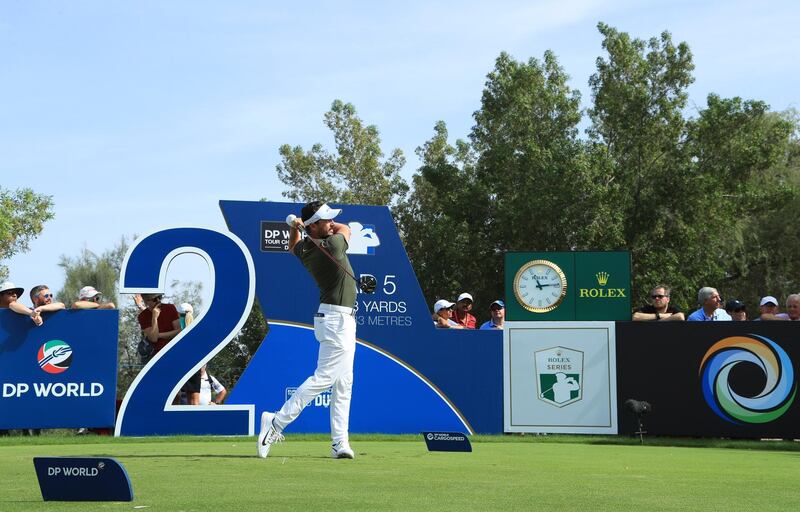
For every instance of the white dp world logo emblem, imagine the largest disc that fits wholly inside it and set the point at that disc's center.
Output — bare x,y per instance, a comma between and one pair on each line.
559,375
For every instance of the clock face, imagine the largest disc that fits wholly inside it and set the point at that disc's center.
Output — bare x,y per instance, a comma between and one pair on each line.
540,286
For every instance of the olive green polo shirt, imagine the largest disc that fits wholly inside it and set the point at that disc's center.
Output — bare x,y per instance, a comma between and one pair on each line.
335,286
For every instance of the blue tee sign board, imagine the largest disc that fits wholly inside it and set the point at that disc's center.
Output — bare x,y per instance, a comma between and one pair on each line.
409,376
82,479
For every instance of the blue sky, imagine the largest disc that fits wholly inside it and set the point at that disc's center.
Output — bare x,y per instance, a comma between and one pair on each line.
139,115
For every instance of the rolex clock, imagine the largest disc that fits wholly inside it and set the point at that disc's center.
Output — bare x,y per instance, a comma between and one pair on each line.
540,286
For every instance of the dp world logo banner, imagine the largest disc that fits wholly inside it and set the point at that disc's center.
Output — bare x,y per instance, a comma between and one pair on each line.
60,375
560,377
768,404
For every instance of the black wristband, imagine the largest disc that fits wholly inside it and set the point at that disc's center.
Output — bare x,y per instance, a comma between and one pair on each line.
658,317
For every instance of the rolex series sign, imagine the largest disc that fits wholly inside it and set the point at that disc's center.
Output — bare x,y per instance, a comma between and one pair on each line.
568,286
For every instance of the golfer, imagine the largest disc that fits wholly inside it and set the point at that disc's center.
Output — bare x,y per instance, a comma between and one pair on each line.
323,255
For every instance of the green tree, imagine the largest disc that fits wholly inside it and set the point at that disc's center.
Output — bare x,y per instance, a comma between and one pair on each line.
229,364
639,93
522,183
22,216
760,160
356,173
89,269
686,189
431,220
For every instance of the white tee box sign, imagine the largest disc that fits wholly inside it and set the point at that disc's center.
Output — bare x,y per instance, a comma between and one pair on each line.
560,377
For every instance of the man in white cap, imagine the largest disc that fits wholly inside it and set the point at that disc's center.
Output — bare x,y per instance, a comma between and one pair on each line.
792,310
768,306
462,313
90,298
9,293
323,253
443,313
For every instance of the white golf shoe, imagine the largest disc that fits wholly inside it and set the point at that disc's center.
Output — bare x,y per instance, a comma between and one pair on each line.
342,450
268,435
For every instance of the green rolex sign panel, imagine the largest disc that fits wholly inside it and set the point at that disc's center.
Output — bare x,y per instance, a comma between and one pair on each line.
557,286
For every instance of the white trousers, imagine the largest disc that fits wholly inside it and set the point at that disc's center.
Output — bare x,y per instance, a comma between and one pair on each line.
336,334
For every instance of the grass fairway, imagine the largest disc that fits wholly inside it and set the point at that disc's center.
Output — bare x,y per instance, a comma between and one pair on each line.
397,473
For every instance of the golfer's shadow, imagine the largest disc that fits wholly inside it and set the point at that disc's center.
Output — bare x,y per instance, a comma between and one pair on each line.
199,456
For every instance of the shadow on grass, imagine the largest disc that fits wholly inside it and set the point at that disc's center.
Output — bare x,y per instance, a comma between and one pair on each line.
198,456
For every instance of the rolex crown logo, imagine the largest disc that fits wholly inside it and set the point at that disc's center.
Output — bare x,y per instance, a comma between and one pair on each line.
602,278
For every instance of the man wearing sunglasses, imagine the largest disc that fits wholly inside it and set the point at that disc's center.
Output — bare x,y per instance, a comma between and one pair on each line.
42,300
9,293
90,298
498,311
659,309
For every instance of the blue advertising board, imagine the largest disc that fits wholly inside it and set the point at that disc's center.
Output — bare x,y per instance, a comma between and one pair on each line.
82,479
62,374
409,376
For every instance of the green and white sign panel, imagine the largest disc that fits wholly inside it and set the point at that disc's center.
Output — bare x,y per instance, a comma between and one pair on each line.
560,377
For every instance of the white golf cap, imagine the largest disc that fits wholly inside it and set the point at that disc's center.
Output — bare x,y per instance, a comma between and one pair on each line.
767,300
325,212
8,286
464,296
87,292
442,304
185,308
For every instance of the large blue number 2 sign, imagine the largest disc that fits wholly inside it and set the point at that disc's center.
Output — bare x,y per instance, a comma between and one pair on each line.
147,407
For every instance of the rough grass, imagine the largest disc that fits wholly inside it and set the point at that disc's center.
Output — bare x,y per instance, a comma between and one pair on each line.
397,473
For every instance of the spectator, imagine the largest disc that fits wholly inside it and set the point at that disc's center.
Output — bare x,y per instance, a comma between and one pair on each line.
768,306
186,312
792,310
659,309
709,300
442,314
209,383
461,314
90,298
8,300
736,309
42,300
159,322
498,311
191,387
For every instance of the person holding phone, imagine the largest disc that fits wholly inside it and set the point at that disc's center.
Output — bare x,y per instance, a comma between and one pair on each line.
159,322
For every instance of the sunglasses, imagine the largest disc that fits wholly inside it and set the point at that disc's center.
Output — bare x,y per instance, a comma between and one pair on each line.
96,298
495,308
658,296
